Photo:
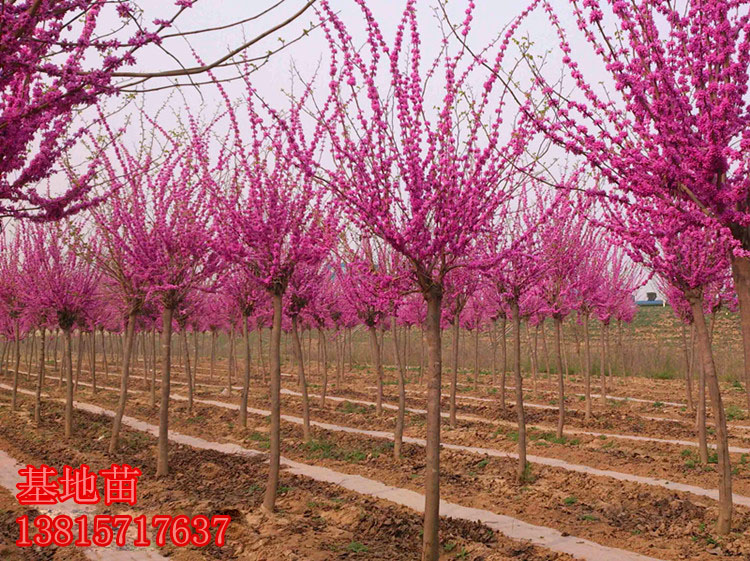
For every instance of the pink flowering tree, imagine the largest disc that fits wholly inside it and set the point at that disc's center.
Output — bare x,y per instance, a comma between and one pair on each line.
671,121
424,175
64,290
271,221
157,229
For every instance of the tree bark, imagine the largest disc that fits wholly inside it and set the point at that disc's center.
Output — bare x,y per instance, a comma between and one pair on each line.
213,355
40,381
306,435
476,355
117,423
188,370
724,523
398,435
324,389
587,364
152,399
69,387
741,274
454,373
504,361
603,365
688,371
13,402
106,362
431,543
246,377
375,347
162,463
521,472
274,359
560,379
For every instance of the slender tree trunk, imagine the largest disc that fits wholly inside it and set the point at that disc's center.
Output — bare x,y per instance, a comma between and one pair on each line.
504,361
246,377
339,361
493,340
162,464
375,346
545,348
117,423
741,274
188,372
398,435
302,382
688,373
476,355
79,358
603,363
324,391
560,379
213,355
431,543
454,372
144,352
521,469
700,421
92,359
13,402
230,365
587,363
535,354
106,362
724,523
54,352
69,387
274,359
259,359
40,381
421,353
30,353
195,354
152,399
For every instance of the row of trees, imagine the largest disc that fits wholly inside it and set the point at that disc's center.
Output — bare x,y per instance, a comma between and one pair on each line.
433,187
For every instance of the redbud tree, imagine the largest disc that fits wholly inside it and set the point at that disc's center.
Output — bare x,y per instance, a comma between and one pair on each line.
423,174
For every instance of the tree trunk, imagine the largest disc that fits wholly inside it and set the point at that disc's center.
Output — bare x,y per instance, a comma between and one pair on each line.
302,382
230,362
700,416
560,379
545,348
476,355
375,347
324,390
195,354
536,355
603,366
69,387
106,362
741,274
587,364
688,371
431,543
13,402
188,370
504,361
521,472
117,423
162,464
398,435
724,524
152,399
79,358
213,355
274,359
40,381
246,377
493,340
454,373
